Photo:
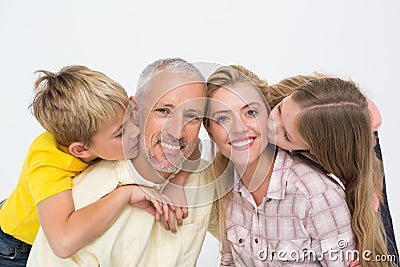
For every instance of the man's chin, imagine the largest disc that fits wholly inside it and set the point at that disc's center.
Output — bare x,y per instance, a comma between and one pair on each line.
165,165
165,169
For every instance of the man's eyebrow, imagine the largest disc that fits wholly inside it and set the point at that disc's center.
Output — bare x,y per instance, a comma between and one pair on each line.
165,105
195,110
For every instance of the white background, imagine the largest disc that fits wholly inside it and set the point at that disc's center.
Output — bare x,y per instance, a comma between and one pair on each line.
275,39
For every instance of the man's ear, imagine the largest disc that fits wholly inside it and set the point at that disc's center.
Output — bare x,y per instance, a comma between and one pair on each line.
77,149
133,103
134,108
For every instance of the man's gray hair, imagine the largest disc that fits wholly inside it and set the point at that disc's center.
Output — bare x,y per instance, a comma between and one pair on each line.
170,65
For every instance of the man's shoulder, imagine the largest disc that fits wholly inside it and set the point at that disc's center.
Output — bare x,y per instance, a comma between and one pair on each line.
202,172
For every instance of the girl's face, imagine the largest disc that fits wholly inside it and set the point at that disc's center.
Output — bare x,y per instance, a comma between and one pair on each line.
238,122
283,129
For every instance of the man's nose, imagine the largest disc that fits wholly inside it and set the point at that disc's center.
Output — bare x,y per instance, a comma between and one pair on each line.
174,126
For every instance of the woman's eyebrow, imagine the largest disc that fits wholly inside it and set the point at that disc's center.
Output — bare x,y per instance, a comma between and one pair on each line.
221,112
251,104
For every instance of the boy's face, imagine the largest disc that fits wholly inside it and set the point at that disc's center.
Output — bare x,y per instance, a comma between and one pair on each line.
107,142
131,131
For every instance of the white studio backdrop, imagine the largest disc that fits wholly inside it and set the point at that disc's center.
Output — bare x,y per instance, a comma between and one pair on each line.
275,39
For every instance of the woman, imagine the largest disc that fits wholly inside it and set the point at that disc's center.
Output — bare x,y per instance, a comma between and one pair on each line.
282,210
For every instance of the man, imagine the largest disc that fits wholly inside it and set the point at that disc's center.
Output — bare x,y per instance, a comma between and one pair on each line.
171,97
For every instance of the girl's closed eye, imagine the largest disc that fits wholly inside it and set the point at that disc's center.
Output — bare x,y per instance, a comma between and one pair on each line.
278,107
286,137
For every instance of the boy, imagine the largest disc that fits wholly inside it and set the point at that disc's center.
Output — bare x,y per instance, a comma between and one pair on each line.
82,111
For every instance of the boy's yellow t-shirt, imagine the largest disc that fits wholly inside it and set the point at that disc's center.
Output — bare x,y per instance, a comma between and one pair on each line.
48,170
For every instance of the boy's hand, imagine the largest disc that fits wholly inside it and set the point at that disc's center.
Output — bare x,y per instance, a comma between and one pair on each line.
176,194
152,201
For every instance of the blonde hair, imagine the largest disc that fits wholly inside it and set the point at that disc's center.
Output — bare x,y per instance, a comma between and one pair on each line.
335,123
277,92
74,103
222,167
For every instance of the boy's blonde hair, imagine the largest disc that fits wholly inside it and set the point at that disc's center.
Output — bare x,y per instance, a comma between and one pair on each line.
74,103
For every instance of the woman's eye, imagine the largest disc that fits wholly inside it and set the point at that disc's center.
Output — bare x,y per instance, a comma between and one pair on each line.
221,119
251,112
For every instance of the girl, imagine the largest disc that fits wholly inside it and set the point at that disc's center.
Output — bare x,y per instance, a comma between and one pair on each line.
328,120
285,88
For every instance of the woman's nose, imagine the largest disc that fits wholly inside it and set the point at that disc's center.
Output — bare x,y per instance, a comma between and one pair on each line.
238,125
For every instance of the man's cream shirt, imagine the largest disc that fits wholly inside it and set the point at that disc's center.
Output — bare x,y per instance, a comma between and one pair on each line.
135,238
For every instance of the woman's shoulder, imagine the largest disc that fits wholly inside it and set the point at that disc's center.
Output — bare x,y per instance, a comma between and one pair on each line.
305,176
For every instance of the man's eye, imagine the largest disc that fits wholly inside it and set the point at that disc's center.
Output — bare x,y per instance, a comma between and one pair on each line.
193,117
162,110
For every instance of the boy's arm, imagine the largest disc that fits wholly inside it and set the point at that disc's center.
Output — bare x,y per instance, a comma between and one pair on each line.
175,191
68,230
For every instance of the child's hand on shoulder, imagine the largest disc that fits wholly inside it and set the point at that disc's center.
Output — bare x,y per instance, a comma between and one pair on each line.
149,199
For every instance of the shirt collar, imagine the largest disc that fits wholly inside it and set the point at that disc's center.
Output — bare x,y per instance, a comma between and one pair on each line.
278,182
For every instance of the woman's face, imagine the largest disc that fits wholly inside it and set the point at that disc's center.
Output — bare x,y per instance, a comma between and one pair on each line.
283,128
238,122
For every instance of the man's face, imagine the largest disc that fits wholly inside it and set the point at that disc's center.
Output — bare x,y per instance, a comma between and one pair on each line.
171,116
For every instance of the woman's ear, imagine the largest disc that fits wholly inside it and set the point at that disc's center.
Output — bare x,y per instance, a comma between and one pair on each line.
78,150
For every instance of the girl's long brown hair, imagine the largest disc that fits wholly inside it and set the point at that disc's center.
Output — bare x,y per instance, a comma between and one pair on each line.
336,125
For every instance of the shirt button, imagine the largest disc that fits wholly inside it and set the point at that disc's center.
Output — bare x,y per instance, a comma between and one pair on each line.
256,240
240,240
269,199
